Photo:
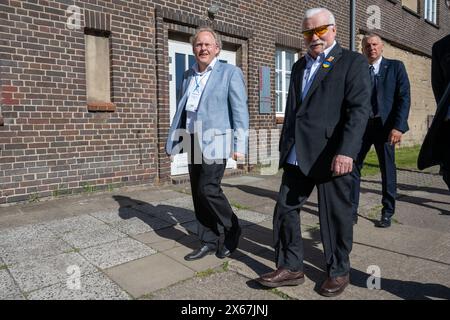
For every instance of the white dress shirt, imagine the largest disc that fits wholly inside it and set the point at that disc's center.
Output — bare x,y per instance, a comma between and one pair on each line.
198,83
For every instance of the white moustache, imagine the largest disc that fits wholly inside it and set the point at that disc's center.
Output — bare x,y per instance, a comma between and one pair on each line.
317,43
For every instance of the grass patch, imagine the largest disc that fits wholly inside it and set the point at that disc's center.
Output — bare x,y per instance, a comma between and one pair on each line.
33,198
3,267
74,250
206,273
405,158
225,266
239,206
183,191
375,212
309,228
282,295
147,296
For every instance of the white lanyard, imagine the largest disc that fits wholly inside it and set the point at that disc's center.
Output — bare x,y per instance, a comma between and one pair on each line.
195,95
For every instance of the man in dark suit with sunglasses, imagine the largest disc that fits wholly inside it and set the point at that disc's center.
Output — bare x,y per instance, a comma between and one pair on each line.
326,114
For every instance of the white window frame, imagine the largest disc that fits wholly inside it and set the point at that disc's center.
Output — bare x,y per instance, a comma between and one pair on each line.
430,11
284,86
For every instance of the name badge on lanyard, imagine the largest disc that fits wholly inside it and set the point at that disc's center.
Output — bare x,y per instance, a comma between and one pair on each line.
195,95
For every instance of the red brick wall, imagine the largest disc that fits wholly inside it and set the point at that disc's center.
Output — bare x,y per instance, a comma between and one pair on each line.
51,144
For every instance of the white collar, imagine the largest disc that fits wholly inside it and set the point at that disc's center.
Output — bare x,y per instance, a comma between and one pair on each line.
323,54
208,68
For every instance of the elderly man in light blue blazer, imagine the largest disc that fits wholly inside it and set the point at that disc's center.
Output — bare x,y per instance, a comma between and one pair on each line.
211,124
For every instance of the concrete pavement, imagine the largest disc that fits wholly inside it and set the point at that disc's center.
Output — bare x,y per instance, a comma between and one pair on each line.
130,244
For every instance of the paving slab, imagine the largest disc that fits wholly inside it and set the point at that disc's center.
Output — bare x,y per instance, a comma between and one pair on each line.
168,238
219,286
115,215
247,217
9,290
138,225
28,243
404,239
96,286
143,276
82,239
181,201
131,221
121,232
169,213
116,252
208,262
82,222
36,274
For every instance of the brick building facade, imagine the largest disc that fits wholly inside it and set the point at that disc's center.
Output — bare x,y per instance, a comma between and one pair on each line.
53,141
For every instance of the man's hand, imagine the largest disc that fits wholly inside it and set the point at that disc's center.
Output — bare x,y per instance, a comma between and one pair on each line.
341,165
395,137
238,157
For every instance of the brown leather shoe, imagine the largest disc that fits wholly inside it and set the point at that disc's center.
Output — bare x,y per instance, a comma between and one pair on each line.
281,277
334,286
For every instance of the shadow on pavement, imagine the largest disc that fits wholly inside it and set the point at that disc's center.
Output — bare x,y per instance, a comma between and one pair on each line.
161,218
314,262
256,191
408,290
424,202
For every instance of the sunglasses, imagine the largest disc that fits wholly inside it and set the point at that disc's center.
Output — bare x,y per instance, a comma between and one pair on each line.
319,31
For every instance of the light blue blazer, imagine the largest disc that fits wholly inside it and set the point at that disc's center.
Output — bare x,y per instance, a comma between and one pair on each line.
222,110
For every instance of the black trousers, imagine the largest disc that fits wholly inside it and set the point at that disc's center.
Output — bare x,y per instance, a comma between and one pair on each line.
335,217
211,206
445,145
376,135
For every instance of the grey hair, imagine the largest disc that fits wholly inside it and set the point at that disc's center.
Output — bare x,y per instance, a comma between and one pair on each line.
210,30
371,35
312,12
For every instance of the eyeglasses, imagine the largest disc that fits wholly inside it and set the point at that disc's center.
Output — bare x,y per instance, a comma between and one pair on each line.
319,31
201,45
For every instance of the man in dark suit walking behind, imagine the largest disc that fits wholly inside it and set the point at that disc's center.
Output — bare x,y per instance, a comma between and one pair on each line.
435,148
326,114
390,103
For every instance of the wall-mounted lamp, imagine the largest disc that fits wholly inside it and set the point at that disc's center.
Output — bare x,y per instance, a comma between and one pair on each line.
213,10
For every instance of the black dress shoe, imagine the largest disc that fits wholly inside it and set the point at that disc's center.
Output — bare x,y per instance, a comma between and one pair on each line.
281,277
230,243
199,253
232,237
223,252
384,223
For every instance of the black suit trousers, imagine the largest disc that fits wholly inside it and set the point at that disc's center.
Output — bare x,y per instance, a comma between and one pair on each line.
335,217
445,167
211,206
377,135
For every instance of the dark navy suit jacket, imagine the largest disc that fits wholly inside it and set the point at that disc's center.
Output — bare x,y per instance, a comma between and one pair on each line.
394,95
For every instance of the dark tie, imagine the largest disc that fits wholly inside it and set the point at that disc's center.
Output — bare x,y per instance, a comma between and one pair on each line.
373,98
